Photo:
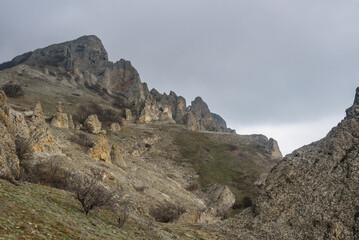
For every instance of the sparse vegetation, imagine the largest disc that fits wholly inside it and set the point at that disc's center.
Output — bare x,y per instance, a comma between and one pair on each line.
105,115
13,90
220,163
82,139
91,193
32,211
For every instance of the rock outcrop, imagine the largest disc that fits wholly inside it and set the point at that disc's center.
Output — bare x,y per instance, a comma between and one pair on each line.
40,132
9,162
313,193
115,127
116,156
221,198
101,150
60,120
84,62
92,124
199,118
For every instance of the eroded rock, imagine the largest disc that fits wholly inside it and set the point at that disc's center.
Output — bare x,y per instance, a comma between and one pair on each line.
101,150
92,124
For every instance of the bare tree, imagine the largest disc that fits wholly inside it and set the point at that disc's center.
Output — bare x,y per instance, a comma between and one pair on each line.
91,193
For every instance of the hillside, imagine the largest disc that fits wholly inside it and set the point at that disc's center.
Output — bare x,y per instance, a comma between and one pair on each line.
72,117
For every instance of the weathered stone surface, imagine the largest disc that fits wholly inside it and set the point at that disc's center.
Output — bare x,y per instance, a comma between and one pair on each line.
115,127
221,198
128,114
71,122
19,122
101,150
195,216
116,156
154,112
40,133
199,118
92,124
60,119
9,162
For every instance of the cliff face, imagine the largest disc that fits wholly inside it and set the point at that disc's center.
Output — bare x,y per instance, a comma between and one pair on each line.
84,63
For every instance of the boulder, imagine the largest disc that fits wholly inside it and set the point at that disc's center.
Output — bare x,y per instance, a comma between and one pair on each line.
220,198
60,119
71,122
116,156
128,115
9,162
92,124
40,133
101,150
115,127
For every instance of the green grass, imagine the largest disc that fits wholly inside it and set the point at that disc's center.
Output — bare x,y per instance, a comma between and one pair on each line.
31,211
217,162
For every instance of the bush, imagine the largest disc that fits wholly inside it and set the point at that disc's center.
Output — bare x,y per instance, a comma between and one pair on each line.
91,193
13,90
82,140
24,149
167,213
105,115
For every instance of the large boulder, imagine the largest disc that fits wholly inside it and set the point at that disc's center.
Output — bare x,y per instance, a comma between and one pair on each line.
221,198
116,156
60,120
9,162
101,150
92,124
40,133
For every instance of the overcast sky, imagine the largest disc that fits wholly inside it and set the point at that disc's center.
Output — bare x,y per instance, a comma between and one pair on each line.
284,68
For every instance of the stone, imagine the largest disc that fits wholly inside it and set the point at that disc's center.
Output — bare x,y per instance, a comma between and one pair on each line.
60,119
40,133
101,150
9,162
116,156
71,122
221,198
92,124
19,122
115,127
128,115
199,118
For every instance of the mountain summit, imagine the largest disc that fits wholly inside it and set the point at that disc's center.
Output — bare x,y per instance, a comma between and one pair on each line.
84,63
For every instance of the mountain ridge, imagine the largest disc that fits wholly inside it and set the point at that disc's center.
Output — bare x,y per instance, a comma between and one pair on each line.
84,62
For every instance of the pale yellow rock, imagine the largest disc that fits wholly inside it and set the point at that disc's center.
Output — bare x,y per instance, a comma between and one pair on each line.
61,119
101,150
92,124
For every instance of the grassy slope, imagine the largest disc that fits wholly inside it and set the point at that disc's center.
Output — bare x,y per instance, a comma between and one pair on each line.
31,211
216,162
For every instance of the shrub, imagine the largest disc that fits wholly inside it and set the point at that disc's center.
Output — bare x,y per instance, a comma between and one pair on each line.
13,90
91,193
82,140
24,149
105,115
192,187
167,213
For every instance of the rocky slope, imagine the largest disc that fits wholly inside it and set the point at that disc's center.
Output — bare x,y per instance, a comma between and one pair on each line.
83,117
311,193
84,63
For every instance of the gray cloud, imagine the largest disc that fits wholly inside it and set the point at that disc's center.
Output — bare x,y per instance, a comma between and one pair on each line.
253,62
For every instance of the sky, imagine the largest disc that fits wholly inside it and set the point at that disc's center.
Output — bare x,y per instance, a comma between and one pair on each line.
284,68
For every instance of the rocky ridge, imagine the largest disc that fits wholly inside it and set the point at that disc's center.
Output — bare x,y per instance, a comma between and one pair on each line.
84,63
